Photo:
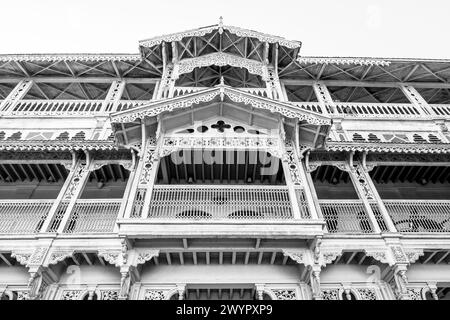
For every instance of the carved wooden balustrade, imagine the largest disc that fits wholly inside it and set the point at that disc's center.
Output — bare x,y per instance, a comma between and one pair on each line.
419,215
70,107
345,216
377,109
344,109
441,109
23,216
310,106
220,202
93,216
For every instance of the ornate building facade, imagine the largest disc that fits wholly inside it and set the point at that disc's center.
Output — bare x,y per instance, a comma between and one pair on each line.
220,163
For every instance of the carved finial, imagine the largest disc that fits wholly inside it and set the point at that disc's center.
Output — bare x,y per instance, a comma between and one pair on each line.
220,25
222,81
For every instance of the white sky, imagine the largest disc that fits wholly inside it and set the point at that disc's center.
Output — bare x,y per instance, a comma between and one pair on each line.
382,28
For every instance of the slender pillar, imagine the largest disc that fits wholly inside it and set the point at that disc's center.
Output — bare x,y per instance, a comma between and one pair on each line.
81,174
382,208
294,182
362,188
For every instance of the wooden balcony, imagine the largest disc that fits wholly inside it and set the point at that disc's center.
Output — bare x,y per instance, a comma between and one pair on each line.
346,216
93,216
376,110
88,216
419,215
203,210
23,216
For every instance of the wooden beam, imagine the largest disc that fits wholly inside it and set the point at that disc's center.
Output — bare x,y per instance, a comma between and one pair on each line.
181,257
86,257
430,257
379,84
442,258
5,260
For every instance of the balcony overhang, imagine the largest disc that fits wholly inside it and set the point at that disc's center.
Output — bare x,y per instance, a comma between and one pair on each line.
149,228
127,123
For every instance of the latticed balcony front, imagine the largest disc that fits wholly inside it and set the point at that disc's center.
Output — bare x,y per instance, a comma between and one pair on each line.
96,210
415,201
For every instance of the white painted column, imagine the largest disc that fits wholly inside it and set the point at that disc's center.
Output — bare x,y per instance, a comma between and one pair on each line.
363,190
56,204
383,211
295,179
80,177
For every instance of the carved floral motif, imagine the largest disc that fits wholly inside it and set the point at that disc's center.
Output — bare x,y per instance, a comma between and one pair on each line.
285,294
155,295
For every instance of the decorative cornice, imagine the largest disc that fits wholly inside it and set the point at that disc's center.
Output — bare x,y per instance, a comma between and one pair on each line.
389,147
340,61
56,145
85,57
219,59
241,32
154,108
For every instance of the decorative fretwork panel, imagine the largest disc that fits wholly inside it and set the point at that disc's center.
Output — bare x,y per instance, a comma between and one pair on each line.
419,215
155,295
58,216
138,203
396,137
205,202
379,217
302,203
345,216
98,215
23,216
285,294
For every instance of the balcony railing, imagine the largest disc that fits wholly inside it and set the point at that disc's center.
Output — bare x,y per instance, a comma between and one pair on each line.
23,216
441,109
419,215
376,110
69,107
345,216
220,202
93,215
